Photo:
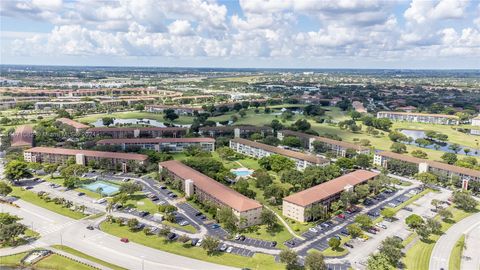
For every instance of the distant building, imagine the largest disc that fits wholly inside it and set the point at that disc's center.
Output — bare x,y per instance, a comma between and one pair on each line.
180,110
236,131
476,121
138,132
296,206
408,109
49,105
260,150
110,160
340,148
358,106
425,165
207,189
128,102
162,144
73,124
22,137
441,119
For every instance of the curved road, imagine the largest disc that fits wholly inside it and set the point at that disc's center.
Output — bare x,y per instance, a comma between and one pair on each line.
441,252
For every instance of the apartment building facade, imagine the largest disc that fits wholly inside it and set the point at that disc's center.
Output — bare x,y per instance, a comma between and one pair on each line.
78,127
339,148
110,160
244,131
207,189
260,150
180,110
140,132
441,119
296,206
49,105
162,144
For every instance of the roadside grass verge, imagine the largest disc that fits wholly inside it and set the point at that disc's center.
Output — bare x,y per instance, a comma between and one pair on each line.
187,228
55,261
456,254
12,260
87,257
258,261
32,197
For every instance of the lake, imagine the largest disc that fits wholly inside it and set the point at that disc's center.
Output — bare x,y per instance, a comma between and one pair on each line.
437,145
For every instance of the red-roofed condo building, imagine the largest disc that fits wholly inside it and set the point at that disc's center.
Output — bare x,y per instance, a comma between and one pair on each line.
110,160
138,132
296,205
259,150
207,189
162,144
73,124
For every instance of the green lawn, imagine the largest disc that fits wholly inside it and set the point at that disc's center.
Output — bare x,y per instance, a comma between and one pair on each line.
141,202
32,197
188,228
12,260
60,180
134,114
258,261
418,256
55,261
456,255
88,257
340,251
279,234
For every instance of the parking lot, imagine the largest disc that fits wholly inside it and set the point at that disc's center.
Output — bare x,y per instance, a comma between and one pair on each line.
242,252
256,242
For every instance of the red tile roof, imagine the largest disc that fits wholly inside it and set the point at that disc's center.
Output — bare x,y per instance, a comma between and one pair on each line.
283,152
88,153
156,140
72,123
329,188
222,193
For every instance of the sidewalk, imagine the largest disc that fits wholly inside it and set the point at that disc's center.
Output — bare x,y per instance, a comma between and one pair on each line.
470,258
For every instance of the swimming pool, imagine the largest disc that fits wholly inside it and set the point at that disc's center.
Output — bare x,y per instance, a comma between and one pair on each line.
106,188
242,172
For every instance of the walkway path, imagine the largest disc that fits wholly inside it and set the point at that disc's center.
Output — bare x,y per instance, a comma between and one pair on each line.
285,224
443,248
470,258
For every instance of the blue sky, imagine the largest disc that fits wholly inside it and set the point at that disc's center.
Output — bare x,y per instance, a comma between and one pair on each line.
439,34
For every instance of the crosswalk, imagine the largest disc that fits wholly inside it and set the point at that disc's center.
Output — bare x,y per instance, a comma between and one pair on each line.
55,228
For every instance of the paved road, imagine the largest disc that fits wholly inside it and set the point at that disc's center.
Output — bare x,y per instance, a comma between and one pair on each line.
57,229
470,258
441,252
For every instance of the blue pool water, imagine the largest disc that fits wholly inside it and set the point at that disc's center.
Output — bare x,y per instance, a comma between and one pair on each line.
242,173
107,188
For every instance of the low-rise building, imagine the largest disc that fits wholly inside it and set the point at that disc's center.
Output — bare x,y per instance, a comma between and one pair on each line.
138,132
180,110
297,205
162,144
424,165
48,105
340,148
108,160
73,124
127,102
207,189
441,119
243,131
22,137
476,121
260,150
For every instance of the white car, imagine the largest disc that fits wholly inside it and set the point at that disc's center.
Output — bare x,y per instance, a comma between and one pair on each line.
229,249
223,247
183,223
313,230
199,243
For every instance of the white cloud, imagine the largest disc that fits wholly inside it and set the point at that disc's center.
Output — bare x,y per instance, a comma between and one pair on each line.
421,11
180,28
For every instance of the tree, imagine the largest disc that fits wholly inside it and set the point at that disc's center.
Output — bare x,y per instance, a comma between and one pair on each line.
354,230
276,163
464,200
5,189
378,262
334,243
364,221
130,188
275,191
50,168
107,121
419,154
455,147
234,118
424,232
132,224
427,178
268,218
276,125
423,142
433,225
449,158
362,161
263,179
445,213
414,221
292,141
210,244
315,261
466,150
362,191
345,163
301,125
396,136
73,170
388,212
348,197
16,170
289,257
435,203
70,182
9,232
170,115
398,148
391,248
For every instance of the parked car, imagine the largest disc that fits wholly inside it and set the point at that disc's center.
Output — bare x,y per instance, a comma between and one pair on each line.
163,187
154,198
273,244
372,231
199,243
344,232
194,241
313,230
341,216
27,187
223,247
183,223
198,214
124,240
348,245
81,194
229,249
408,209
171,236
215,226
90,227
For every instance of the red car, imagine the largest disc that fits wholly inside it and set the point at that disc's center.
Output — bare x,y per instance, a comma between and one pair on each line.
124,240
341,216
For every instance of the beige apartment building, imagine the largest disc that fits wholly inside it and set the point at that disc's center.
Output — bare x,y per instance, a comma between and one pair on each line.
441,119
162,144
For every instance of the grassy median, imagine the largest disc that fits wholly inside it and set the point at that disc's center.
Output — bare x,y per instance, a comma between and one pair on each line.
456,255
87,257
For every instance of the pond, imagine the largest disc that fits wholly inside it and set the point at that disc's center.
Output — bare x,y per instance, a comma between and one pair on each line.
134,121
105,187
437,145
